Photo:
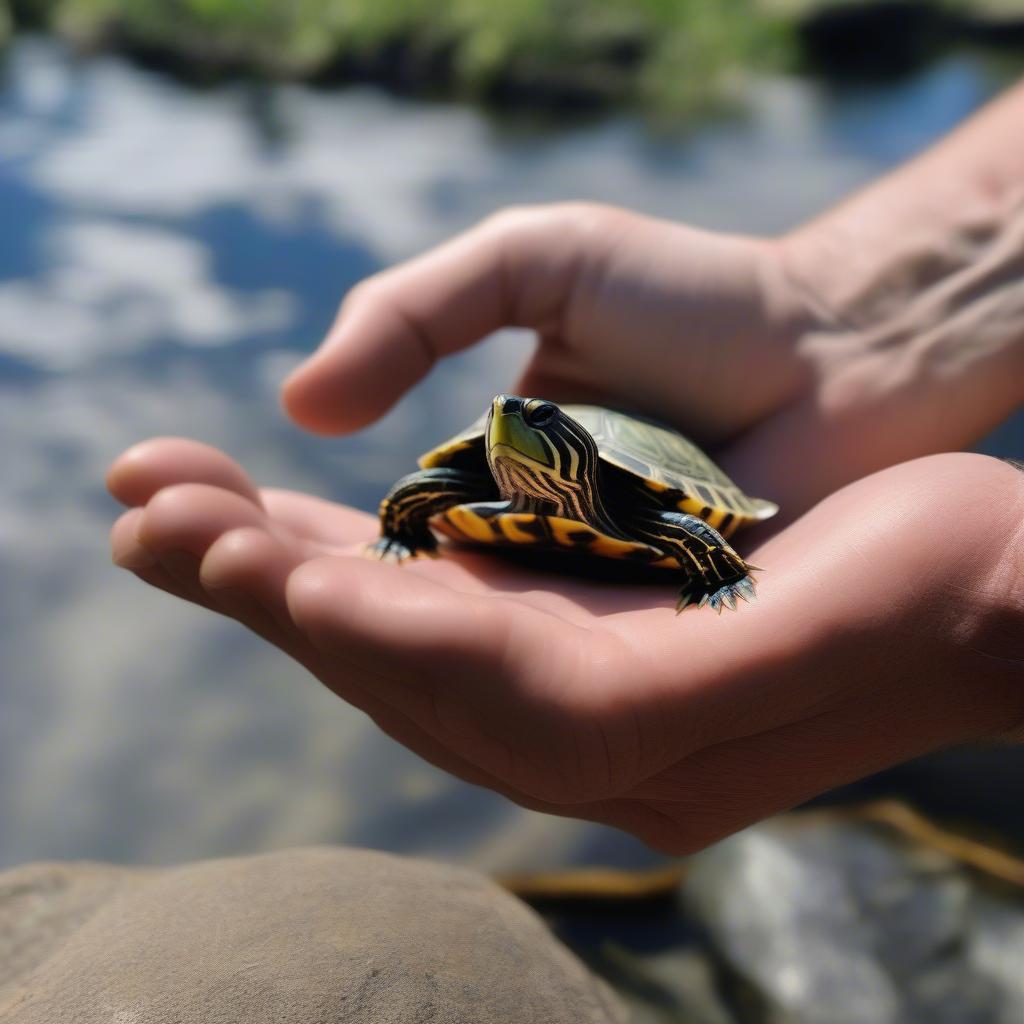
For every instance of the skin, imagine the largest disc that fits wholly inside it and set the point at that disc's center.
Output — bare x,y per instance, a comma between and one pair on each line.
890,619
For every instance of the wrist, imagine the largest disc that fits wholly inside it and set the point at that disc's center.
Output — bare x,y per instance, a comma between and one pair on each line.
870,261
937,307
932,252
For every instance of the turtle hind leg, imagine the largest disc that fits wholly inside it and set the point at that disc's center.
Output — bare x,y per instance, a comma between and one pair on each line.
406,509
716,574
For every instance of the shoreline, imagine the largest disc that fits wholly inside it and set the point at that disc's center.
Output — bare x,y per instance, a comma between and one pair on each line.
526,55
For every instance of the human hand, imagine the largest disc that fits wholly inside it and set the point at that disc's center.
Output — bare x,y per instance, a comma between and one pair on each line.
889,624
732,339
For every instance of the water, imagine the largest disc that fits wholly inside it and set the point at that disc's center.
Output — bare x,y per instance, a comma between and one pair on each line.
166,256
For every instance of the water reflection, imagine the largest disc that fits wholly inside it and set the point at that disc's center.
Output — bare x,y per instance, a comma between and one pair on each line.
166,256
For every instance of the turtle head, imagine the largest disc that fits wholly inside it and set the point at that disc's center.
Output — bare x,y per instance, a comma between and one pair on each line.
540,457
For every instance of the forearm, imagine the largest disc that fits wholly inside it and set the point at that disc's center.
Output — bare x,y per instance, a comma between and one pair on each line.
956,206
917,284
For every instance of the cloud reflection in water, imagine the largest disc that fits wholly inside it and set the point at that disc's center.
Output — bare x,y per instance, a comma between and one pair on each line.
169,254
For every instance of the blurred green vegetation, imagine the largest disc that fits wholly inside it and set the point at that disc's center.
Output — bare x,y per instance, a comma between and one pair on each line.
677,55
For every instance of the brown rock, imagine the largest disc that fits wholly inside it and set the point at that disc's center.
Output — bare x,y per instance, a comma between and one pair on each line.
320,936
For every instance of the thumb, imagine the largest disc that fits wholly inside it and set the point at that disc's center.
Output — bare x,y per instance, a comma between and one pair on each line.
517,268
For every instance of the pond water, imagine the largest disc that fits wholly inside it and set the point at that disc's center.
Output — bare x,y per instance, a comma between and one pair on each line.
166,256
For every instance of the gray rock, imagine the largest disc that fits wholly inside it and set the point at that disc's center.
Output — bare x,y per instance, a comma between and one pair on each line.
821,922
996,951
320,936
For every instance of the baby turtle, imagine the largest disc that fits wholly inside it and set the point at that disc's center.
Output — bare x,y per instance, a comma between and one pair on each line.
604,483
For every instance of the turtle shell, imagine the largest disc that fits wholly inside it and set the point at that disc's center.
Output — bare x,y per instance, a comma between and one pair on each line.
661,458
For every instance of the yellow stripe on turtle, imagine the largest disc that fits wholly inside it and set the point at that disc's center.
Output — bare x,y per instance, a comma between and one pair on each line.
461,523
567,533
442,456
729,511
724,508
711,514
516,527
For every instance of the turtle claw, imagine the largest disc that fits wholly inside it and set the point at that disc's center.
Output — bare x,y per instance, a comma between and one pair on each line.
691,596
728,596
391,549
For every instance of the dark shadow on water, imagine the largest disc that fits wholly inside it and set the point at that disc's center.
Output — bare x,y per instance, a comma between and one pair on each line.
26,213
305,257
893,120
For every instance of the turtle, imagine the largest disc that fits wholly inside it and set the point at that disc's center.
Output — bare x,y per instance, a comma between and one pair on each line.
595,480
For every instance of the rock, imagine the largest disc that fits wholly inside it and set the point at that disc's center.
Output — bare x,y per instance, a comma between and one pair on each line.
827,922
318,936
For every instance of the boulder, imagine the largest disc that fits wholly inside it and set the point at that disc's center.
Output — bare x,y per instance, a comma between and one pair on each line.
318,936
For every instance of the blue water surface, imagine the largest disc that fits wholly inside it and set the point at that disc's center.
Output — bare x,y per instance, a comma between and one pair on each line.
166,256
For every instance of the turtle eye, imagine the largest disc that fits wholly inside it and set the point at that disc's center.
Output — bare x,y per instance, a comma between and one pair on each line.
541,415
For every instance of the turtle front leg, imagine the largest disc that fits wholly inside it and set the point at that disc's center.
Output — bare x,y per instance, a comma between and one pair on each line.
406,509
717,575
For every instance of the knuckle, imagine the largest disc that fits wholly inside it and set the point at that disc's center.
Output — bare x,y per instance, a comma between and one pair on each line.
510,219
239,547
574,215
175,499
236,558
375,292
364,292
588,219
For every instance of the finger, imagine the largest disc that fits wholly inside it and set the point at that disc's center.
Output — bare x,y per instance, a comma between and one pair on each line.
128,553
486,677
251,562
125,548
319,520
385,620
543,379
245,572
190,517
180,522
515,269
147,467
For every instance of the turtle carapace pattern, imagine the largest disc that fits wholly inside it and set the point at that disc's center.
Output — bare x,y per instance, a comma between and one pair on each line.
604,483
